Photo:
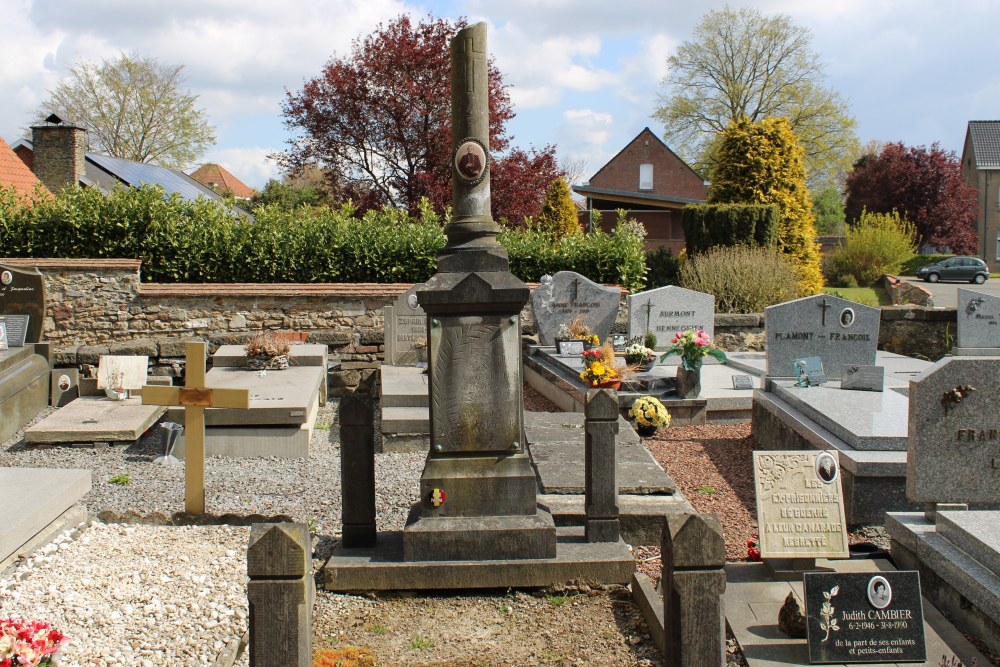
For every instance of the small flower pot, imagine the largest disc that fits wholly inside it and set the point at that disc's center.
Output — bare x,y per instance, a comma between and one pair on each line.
688,383
608,384
645,431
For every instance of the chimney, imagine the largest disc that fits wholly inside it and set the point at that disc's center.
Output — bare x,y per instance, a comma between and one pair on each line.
59,150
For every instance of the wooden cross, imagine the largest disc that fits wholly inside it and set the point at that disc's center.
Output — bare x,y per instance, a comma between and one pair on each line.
194,397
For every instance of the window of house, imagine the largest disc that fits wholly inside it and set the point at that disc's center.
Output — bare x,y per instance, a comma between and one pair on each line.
645,177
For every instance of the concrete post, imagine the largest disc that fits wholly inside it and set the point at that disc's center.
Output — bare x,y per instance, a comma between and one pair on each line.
281,592
601,485
357,470
694,614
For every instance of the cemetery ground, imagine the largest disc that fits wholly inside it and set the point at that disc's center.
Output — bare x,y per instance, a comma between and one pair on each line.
154,595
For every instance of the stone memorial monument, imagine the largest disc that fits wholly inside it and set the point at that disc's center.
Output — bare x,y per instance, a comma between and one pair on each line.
23,293
836,330
978,324
405,328
24,375
666,310
569,296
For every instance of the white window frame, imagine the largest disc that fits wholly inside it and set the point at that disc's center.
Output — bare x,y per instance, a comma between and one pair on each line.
998,245
646,176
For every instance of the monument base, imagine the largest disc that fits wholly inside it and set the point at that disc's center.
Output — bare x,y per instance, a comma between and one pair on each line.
382,567
479,538
474,486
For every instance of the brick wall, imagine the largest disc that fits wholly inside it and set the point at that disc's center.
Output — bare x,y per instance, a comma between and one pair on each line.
59,152
671,177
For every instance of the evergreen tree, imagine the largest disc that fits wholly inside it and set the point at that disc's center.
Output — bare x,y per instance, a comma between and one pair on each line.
762,163
559,216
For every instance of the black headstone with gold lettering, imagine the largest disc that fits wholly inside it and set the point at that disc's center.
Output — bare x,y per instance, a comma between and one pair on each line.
478,490
23,293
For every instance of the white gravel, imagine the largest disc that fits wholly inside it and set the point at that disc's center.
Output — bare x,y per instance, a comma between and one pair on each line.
169,595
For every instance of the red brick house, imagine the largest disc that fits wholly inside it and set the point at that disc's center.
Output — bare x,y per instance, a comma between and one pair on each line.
14,174
648,180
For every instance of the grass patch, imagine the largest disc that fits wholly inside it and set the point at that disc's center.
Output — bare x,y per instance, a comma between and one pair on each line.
325,426
866,296
377,628
556,600
419,643
123,479
706,489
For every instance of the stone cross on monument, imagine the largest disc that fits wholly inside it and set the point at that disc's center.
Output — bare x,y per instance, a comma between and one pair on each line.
478,488
194,397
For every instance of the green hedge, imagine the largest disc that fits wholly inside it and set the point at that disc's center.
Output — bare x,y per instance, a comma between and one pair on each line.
910,266
201,242
710,225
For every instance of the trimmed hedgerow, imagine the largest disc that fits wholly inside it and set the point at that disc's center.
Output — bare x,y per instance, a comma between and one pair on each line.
710,225
202,242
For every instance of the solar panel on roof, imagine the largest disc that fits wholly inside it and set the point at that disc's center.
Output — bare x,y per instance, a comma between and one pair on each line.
139,173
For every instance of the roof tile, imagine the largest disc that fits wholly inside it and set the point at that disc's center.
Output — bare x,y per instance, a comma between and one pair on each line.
14,173
986,142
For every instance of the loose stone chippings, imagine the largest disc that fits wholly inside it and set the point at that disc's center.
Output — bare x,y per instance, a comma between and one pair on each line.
136,595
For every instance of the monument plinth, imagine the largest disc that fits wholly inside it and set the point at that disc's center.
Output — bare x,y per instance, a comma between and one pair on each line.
478,489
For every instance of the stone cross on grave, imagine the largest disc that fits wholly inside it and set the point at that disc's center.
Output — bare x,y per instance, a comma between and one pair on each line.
194,397
823,305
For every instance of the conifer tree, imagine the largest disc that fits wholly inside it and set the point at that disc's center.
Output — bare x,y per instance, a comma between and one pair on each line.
762,163
558,215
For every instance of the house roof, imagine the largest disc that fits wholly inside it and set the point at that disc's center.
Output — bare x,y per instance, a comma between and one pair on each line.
215,175
627,196
986,143
14,173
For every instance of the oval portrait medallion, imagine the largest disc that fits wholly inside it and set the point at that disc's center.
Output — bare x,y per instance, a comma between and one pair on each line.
470,161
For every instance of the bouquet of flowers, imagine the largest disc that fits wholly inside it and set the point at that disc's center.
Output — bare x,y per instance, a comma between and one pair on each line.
592,339
28,642
637,353
753,549
599,365
648,411
693,346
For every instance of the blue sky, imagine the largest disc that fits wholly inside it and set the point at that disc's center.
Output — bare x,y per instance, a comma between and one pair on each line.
584,74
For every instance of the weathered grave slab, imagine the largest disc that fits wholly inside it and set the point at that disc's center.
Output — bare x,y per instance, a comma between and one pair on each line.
405,324
978,323
836,330
800,505
32,499
570,295
22,292
290,441
953,454
125,372
666,310
299,354
94,419
24,388
279,397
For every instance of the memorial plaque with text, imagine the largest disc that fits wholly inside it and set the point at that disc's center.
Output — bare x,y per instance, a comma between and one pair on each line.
742,382
17,329
406,328
864,617
863,378
978,320
953,449
836,330
23,293
800,507
569,296
3,335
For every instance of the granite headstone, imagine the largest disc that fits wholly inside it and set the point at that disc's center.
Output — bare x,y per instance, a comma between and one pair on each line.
568,296
953,448
800,506
836,330
861,617
978,321
406,326
667,310
23,293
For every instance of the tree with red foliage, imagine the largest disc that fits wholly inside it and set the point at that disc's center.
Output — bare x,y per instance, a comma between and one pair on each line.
379,123
924,185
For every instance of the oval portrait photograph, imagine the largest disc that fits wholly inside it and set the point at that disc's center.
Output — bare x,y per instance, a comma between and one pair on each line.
470,161
879,592
846,317
826,467
6,277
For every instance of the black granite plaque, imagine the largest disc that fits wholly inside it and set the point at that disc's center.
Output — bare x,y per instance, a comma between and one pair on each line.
864,617
23,293
863,378
17,329
64,385
618,341
742,382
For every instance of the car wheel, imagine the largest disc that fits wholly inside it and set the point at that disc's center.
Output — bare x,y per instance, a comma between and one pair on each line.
932,277
979,279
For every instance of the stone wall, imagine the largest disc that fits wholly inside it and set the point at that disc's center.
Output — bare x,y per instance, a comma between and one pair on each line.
925,333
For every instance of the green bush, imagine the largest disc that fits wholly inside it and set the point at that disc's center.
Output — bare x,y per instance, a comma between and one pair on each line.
743,279
709,225
202,242
663,268
877,244
910,266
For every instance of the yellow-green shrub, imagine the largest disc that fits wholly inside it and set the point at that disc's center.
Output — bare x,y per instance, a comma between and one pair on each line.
878,243
743,279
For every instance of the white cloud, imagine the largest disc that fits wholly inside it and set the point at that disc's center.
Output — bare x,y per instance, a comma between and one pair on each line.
584,137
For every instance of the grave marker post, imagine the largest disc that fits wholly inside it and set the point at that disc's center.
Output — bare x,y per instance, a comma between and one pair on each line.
601,489
194,397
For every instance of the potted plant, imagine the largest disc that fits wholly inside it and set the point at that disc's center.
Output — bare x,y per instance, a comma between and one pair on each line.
599,368
637,354
650,341
692,346
267,350
420,347
649,415
25,642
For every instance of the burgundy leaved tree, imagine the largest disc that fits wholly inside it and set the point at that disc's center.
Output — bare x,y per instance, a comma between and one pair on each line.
378,121
925,185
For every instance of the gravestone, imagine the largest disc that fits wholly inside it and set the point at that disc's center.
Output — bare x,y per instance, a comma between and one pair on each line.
568,296
65,386
864,617
978,323
836,330
23,293
405,324
667,310
953,453
122,372
800,507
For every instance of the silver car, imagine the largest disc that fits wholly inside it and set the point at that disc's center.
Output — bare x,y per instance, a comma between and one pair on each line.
970,269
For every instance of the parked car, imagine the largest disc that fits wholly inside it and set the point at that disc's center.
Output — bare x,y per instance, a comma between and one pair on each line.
971,269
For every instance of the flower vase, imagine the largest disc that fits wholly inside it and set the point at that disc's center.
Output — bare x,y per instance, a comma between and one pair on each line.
688,382
645,431
608,384
116,394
